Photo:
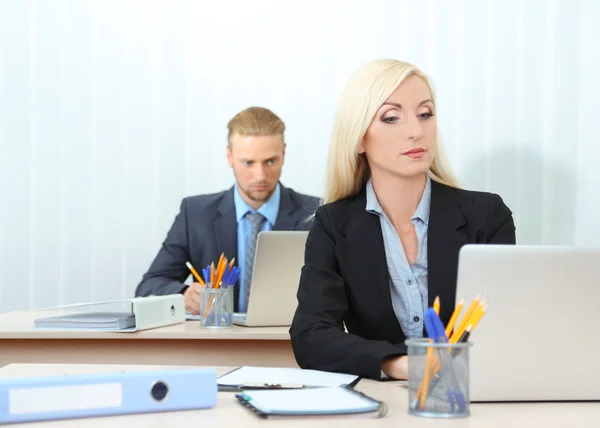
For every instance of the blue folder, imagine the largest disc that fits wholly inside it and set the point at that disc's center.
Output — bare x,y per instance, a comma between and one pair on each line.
83,396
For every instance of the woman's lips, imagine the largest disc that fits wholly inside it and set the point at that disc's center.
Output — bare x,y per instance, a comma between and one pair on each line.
415,153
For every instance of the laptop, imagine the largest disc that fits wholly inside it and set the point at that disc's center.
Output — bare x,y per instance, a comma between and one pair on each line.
540,337
277,264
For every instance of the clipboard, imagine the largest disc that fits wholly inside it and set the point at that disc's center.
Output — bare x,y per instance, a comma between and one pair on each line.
333,401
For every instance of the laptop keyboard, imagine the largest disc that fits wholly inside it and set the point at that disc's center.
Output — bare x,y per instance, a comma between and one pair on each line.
239,317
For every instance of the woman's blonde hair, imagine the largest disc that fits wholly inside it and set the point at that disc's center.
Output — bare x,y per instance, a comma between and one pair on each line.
363,95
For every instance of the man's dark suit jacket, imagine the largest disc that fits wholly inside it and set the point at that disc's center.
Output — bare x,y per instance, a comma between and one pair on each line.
345,277
205,227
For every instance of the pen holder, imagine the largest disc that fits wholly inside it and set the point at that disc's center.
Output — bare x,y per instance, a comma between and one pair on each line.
438,379
216,307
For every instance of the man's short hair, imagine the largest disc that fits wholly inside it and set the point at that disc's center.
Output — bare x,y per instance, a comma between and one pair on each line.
255,121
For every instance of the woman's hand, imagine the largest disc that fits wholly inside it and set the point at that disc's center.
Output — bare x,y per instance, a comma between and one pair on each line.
396,367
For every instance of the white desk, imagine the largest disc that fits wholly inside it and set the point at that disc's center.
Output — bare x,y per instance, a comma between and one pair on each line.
229,413
181,344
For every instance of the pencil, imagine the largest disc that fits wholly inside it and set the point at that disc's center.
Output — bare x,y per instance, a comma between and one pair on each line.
454,316
221,270
429,369
436,305
477,315
463,324
198,277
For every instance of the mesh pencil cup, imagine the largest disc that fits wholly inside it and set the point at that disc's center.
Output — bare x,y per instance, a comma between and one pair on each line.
216,307
438,379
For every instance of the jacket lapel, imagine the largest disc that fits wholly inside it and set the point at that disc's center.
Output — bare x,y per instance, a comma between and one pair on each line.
445,237
365,262
225,226
285,219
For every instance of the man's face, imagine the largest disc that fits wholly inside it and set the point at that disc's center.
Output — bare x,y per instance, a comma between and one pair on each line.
256,161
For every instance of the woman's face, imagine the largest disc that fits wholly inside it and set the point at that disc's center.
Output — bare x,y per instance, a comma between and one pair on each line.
401,139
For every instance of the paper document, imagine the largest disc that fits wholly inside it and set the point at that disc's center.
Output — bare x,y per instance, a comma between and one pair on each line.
89,320
276,375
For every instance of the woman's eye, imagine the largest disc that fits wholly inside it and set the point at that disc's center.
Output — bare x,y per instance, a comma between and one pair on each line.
425,116
391,119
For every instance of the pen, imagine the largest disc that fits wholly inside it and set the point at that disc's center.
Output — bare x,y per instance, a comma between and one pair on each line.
435,329
258,385
206,275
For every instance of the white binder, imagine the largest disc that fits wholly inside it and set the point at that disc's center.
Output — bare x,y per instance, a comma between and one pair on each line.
128,315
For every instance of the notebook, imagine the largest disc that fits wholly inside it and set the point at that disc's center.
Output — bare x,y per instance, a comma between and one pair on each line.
246,377
341,400
89,320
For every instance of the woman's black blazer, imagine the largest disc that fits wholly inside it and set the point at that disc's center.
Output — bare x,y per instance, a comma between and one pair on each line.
345,277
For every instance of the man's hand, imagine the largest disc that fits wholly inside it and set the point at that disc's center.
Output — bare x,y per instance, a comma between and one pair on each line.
191,298
396,367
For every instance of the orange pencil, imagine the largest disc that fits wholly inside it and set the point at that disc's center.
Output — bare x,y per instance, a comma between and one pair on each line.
454,316
477,315
424,387
198,277
463,323
222,269
212,274
218,276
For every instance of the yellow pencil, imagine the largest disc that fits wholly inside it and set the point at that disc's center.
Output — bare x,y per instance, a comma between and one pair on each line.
424,387
427,375
198,277
477,315
436,305
454,316
463,323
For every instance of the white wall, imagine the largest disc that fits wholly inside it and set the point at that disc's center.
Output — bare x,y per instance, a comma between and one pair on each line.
112,111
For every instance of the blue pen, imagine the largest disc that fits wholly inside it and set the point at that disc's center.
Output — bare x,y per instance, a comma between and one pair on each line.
435,330
224,277
205,275
236,275
433,333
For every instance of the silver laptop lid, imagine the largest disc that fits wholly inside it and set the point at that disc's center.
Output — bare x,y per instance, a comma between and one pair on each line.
539,339
277,265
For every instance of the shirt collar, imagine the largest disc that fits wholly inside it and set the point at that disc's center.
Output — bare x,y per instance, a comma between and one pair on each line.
422,211
269,209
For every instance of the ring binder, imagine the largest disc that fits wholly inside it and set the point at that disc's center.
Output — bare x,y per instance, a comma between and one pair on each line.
382,407
105,394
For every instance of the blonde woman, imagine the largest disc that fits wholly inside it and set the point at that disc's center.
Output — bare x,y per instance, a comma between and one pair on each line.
386,240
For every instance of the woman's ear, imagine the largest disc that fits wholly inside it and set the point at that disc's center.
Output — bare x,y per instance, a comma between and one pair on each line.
361,148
